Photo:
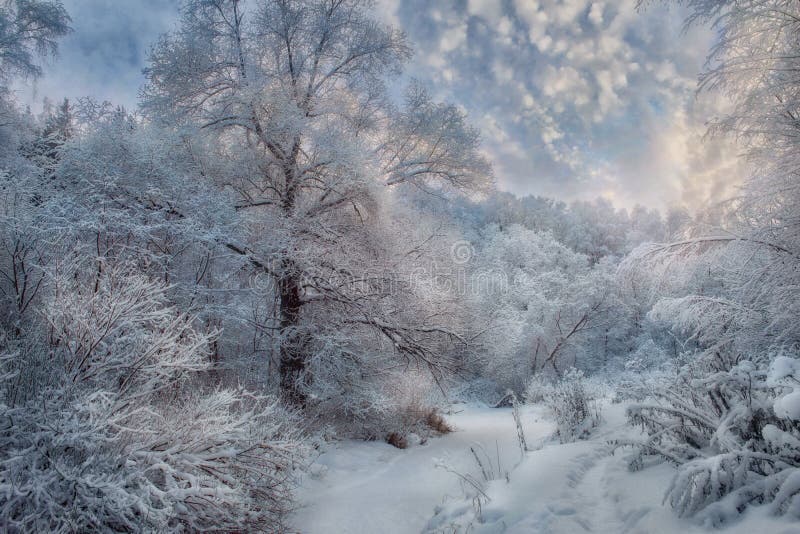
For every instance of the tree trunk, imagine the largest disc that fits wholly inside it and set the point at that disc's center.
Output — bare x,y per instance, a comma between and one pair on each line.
293,357
294,343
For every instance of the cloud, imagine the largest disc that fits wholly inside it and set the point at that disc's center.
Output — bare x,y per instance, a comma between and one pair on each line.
106,53
387,11
576,98
596,13
491,10
592,97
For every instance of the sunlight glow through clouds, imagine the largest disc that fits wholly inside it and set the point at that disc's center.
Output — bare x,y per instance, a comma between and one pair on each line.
579,98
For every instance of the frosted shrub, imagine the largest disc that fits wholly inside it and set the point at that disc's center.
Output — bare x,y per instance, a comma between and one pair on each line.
728,420
412,410
125,434
737,443
415,405
639,380
572,402
539,389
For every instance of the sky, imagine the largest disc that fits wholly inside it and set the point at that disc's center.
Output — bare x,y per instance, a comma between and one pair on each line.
575,99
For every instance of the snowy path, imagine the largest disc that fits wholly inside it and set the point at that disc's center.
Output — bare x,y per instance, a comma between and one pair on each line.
373,488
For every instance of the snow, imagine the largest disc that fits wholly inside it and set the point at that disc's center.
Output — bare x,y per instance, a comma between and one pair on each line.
783,371
576,487
779,439
788,406
781,368
376,488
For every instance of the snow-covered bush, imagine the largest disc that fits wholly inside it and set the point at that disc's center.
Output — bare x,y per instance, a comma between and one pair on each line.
641,377
123,430
572,401
540,388
727,420
734,435
416,404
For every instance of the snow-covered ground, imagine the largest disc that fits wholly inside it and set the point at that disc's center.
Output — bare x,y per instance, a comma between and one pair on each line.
375,488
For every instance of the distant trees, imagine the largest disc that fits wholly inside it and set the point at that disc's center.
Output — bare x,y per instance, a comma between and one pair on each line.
543,302
59,127
596,229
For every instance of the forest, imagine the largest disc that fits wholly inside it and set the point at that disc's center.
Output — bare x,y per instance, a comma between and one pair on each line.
286,293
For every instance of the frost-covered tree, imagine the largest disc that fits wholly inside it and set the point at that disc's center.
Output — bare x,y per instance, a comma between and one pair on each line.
58,128
728,420
285,104
542,301
27,28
